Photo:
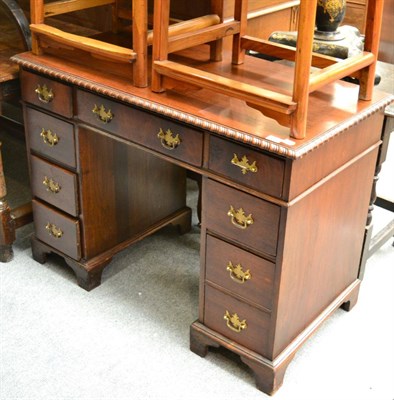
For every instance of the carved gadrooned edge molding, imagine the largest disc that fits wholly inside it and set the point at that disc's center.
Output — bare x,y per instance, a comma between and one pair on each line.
202,123
344,126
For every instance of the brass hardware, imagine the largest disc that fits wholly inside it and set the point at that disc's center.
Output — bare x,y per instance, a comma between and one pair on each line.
244,164
167,139
102,114
234,323
51,185
237,274
49,138
239,219
53,230
45,95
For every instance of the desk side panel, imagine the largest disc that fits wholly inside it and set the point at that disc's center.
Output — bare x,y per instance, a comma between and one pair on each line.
322,246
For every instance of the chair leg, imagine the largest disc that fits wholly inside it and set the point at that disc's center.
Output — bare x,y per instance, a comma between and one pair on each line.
160,40
140,46
371,44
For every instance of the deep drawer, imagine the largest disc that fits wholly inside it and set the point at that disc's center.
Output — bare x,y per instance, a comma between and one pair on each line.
57,229
239,271
47,94
236,320
54,185
240,217
162,135
244,165
51,137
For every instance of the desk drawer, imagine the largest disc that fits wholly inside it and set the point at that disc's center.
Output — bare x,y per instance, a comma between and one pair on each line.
57,229
51,137
249,327
240,217
55,185
47,94
244,165
156,133
240,272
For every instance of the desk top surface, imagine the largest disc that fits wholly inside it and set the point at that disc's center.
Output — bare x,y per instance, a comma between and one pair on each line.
332,110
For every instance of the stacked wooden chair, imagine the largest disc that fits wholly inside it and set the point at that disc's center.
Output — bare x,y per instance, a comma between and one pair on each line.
288,109
44,34
135,52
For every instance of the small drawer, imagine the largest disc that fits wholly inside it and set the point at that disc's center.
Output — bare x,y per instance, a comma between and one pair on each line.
55,185
240,272
240,217
156,133
57,229
47,94
246,166
236,320
51,137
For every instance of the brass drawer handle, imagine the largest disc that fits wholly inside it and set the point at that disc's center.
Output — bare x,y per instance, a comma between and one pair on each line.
239,219
49,138
102,114
168,141
45,95
244,164
53,230
234,323
51,185
237,273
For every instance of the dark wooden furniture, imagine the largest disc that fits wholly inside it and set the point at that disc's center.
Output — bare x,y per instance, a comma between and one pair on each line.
76,201
375,239
282,220
15,38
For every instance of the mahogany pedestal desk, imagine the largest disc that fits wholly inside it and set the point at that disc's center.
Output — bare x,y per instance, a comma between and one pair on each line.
282,220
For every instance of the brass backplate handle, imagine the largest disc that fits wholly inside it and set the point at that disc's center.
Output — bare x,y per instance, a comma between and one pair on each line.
49,138
168,140
239,219
237,273
51,185
234,322
45,95
102,114
53,230
244,164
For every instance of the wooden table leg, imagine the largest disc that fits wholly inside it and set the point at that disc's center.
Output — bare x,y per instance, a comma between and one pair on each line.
7,231
10,220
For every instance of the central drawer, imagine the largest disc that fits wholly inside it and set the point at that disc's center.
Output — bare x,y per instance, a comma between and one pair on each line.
238,216
156,133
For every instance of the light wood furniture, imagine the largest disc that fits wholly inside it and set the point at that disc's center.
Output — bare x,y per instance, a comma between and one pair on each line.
125,53
15,38
44,35
266,16
289,108
282,220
